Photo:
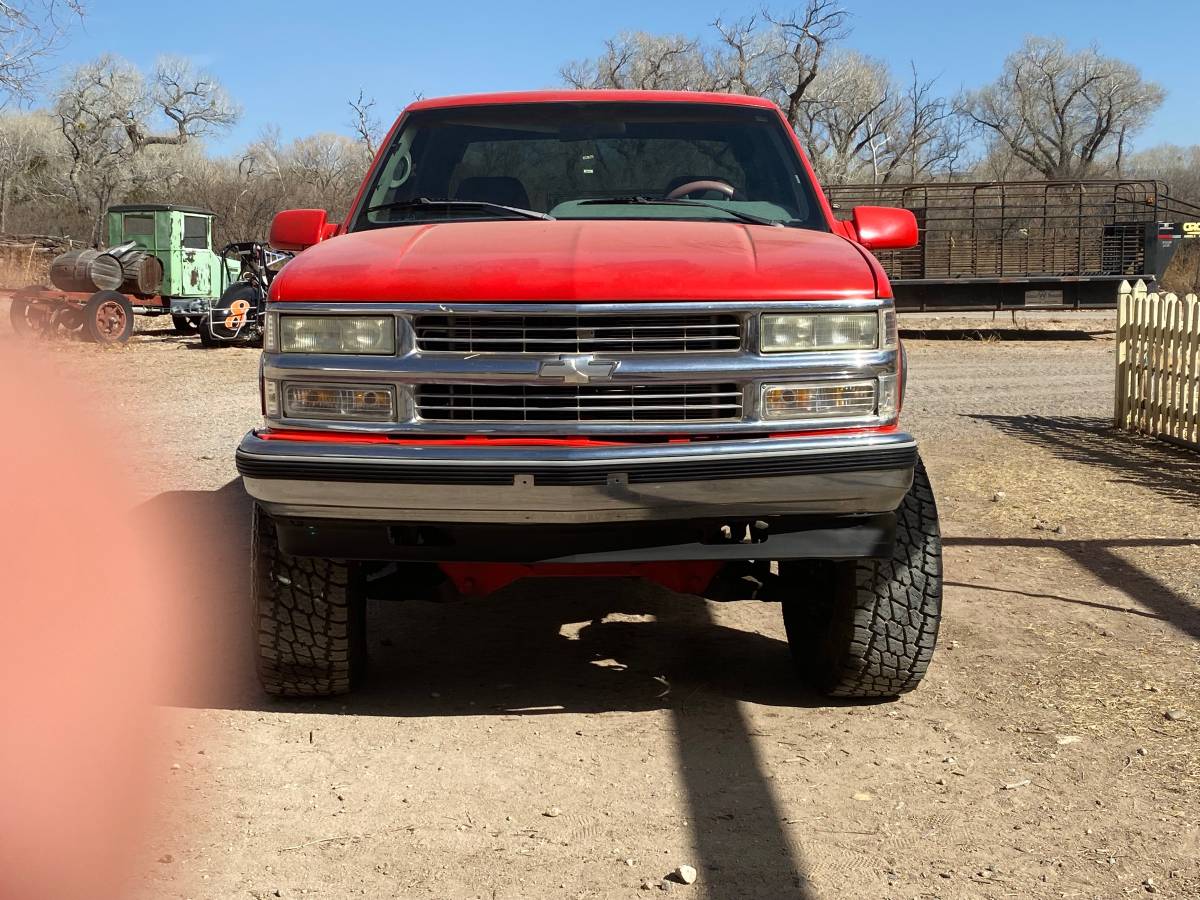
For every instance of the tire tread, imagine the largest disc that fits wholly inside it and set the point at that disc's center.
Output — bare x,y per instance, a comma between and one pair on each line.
875,636
307,620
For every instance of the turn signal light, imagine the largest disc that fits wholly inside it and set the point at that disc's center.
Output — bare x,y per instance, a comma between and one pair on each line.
844,400
361,403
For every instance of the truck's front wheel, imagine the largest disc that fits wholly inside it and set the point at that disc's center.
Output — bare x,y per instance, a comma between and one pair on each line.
867,628
309,619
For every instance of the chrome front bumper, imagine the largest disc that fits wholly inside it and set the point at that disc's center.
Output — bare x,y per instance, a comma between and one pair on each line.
430,483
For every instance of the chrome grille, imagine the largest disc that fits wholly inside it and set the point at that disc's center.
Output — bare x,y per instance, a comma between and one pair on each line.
607,333
584,403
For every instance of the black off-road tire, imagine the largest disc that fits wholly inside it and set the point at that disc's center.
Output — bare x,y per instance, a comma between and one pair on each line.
204,332
309,619
867,628
185,325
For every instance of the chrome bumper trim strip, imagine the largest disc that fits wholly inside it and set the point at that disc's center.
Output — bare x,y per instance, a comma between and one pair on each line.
878,485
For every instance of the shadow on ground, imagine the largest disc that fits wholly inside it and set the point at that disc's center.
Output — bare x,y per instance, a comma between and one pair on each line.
1130,458
1103,558
166,335
1012,333
1058,598
542,647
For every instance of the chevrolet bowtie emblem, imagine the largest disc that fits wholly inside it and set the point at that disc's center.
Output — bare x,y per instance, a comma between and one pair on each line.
578,369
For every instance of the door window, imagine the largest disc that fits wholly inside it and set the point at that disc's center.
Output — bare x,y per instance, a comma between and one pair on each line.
195,232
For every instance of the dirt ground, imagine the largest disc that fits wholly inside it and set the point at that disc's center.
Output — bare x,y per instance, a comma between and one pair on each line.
576,739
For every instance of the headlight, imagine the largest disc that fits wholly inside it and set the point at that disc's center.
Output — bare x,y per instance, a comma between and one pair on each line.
337,334
819,400
819,331
341,402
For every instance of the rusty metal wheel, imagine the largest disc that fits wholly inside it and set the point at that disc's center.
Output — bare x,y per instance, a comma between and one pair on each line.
65,321
33,318
108,318
19,316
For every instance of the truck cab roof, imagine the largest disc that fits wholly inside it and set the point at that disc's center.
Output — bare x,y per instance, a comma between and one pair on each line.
591,96
161,207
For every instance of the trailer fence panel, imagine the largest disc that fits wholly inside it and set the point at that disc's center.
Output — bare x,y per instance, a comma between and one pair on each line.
1158,364
1026,244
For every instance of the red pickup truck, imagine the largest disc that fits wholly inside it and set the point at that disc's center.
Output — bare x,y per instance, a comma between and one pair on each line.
590,332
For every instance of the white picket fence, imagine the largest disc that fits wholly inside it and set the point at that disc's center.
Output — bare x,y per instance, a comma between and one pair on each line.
1158,364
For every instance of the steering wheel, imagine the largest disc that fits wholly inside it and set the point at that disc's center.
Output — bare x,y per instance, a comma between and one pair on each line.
707,185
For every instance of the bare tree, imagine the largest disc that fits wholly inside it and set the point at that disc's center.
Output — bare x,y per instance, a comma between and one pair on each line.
108,114
929,139
325,162
26,155
93,107
859,123
1060,112
264,157
801,41
29,31
1179,167
745,57
846,118
193,101
855,119
320,171
366,123
646,62
765,55
116,134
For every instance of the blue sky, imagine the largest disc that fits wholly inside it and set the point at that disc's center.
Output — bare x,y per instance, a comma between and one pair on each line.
296,64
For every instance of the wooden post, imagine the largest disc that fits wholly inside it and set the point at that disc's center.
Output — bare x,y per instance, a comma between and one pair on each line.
1121,389
1190,430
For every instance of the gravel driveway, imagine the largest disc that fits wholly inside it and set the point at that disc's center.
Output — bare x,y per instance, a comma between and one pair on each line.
582,739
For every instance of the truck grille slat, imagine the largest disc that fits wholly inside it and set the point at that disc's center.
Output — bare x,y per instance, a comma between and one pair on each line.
583,403
432,394
571,343
641,328
613,333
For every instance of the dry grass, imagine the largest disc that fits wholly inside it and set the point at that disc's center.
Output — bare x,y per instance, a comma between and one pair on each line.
22,265
1183,274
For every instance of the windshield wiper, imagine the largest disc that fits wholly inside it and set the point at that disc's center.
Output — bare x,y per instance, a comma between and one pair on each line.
427,203
664,201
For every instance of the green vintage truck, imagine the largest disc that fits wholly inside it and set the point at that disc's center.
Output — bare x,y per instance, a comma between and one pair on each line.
180,237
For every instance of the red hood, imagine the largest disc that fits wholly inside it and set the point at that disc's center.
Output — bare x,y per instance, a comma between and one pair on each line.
577,261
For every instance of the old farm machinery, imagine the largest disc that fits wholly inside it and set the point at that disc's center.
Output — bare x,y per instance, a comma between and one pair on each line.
159,261
238,313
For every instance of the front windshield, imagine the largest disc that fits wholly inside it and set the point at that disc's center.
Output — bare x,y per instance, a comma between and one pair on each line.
699,161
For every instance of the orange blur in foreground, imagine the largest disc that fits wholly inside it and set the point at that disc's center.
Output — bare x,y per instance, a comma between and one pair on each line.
84,642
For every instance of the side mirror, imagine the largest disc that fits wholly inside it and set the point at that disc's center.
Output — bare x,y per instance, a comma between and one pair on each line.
298,229
884,227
